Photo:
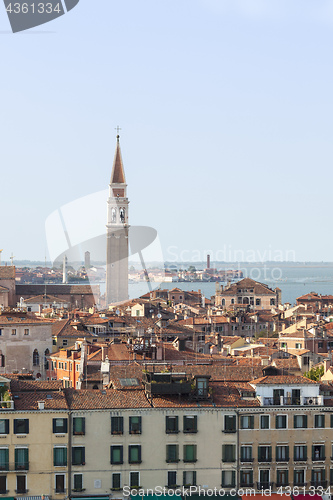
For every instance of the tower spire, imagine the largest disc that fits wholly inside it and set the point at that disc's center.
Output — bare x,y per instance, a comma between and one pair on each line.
118,173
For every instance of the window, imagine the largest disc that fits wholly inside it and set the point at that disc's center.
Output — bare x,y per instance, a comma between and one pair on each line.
13,331
318,477
282,453
264,479
264,453
1,331
117,425
246,454
247,422
320,421
77,482
134,454
298,345
299,477
172,453
190,423
281,421
228,453
264,421
190,453
64,342
300,453
171,424
59,456
300,421
116,481
21,459
282,477
79,427
172,479
4,459
3,485
21,484
35,358
59,425
277,393
78,455
246,478
60,483
21,426
26,331
318,452
4,426
228,478
189,478
258,302
135,425
134,479
116,454
229,423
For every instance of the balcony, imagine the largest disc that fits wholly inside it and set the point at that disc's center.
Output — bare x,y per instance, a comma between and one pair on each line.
316,484
264,459
166,384
264,485
246,459
246,485
318,459
10,467
290,401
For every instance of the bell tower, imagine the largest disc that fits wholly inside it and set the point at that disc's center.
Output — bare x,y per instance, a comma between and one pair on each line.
117,234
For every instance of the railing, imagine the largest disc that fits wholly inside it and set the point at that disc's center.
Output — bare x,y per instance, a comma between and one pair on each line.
264,459
290,401
7,466
264,485
318,459
229,431
246,485
246,459
319,483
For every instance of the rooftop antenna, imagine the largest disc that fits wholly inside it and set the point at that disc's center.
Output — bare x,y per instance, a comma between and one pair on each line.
0,255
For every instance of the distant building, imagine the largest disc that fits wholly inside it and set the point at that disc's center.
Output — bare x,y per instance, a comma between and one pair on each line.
248,293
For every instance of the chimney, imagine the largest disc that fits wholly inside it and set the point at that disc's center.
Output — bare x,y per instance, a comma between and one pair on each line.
327,364
41,405
208,261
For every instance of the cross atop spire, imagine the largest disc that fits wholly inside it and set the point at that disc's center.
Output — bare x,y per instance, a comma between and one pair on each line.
118,129
118,173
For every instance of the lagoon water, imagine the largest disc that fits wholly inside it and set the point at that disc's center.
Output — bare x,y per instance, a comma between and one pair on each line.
293,279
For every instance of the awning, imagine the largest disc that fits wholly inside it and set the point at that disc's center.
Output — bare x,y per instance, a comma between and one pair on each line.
272,496
214,497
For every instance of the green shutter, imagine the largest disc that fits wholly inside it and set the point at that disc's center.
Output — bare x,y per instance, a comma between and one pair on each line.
305,420
194,478
251,422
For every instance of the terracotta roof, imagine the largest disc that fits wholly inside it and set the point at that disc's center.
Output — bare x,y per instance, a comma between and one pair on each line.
7,272
224,395
22,319
259,288
86,399
283,379
40,299
35,385
118,174
29,400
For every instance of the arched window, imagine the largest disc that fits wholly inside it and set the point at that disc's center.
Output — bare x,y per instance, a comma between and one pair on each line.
122,215
223,302
95,387
46,361
35,358
113,215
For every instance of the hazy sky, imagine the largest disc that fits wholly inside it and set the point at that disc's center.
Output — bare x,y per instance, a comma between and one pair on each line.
226,112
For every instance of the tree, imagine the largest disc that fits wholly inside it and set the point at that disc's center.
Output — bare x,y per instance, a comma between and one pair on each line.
315,373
